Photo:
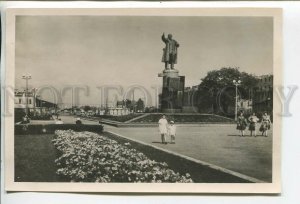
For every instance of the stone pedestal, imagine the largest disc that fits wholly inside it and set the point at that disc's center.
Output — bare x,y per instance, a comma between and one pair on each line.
172,91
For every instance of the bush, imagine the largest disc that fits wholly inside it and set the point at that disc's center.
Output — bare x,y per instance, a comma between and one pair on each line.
41,117
51,128
19,114
89,157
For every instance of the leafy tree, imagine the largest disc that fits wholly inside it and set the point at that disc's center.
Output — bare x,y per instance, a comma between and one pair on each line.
127,103
140,105
217,89
87,108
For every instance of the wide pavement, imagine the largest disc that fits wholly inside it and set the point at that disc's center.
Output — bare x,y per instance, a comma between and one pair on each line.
216,144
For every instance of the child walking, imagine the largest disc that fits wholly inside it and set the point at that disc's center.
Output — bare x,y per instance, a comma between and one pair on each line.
172,132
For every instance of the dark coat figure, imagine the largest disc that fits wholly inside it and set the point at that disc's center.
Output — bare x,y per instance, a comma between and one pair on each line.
170,51
241,123
78,121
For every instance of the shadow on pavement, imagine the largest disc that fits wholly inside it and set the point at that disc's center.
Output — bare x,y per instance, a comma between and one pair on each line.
245,136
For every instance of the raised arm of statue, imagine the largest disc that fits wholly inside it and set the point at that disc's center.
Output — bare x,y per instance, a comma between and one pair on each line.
164,39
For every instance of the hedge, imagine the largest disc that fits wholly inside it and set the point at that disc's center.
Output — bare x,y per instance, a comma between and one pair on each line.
51,128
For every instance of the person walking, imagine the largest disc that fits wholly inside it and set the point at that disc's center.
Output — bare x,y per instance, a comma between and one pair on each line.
78,121
241,123
252,126
163,128
265,124
172,131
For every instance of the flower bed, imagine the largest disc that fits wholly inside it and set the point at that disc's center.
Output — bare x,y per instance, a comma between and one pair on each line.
89,157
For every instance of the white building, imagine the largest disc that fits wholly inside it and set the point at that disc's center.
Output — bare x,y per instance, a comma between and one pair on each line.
20,99
118,111
32,102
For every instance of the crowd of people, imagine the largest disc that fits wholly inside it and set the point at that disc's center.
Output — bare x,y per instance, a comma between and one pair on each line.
251,123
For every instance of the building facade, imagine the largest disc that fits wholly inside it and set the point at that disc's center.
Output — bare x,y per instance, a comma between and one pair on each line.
190,98
32,103
263,94
115,111
20,99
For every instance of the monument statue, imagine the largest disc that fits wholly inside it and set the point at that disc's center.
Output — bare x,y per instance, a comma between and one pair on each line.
170,51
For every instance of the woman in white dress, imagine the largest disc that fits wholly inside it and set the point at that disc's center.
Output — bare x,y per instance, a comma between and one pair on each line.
163,128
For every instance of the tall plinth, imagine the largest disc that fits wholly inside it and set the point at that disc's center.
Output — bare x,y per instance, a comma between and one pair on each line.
171,99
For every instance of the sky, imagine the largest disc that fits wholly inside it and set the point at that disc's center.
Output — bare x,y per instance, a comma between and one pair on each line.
94,51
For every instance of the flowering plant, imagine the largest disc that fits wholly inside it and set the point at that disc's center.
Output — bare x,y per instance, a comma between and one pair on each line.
90,157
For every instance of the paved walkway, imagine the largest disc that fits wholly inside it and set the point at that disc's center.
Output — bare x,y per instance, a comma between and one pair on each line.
219,145
215,144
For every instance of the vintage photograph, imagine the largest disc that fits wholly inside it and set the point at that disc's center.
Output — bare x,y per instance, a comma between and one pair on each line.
143,100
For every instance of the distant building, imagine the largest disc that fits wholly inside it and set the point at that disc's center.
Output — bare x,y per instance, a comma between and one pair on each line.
33,103
123,107
115,111
20,99
190,99
244,105
263,94
100,111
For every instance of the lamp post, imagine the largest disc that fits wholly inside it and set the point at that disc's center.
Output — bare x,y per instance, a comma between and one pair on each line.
236,83
34,90
26,77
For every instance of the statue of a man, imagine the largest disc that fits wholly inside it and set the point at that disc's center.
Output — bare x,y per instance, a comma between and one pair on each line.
170,51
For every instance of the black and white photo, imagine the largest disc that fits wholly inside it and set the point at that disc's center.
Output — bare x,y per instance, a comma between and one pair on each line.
143,100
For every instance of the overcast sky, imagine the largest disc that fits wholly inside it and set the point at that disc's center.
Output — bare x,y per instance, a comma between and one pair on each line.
124,50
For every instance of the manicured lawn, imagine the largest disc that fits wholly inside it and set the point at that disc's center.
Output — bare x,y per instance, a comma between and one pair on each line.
34,158
185,118
120,118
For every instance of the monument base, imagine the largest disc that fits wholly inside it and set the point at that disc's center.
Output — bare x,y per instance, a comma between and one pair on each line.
173,73
172,92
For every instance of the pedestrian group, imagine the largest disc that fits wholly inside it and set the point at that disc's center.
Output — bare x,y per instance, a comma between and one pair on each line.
242,124
166,129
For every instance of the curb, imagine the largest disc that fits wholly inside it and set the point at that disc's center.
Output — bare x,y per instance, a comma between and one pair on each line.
202,163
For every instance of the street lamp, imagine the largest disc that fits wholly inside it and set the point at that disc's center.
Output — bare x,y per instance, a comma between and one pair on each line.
34,90
236,83
26,77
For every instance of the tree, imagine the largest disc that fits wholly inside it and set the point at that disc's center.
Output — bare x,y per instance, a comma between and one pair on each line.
140,106
218,91
87,108
127,103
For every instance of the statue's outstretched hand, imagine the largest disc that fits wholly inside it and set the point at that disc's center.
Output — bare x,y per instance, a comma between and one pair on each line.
163,37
